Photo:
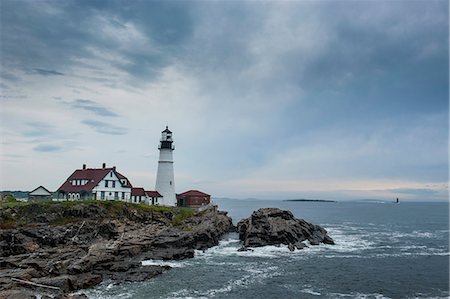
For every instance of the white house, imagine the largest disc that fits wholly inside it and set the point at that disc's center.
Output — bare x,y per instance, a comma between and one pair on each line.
104,183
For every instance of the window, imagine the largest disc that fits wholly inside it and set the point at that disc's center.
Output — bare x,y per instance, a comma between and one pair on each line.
110,174
123,195
116,195
114,184
170,183
106,184
102,195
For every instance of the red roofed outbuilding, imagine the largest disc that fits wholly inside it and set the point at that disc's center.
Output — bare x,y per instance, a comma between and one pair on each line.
193,199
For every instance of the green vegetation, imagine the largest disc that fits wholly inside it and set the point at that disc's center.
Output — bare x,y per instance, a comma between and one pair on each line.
27,213
7,198
183,213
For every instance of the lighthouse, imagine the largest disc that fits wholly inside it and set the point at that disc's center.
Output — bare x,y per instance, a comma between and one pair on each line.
165,183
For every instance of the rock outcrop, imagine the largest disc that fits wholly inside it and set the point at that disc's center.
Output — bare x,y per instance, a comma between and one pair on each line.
272,226
72,247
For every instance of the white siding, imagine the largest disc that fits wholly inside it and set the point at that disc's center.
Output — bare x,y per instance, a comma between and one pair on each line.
110,191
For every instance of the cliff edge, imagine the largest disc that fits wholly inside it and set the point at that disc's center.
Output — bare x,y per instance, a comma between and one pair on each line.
55,248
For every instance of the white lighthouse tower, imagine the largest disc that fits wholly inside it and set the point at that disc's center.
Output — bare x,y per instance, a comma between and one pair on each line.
165,183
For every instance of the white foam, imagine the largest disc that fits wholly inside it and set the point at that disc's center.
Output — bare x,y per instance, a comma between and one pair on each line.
255,275
173,264
310,291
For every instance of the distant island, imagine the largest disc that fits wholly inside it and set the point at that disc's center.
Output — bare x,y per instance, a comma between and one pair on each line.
316,200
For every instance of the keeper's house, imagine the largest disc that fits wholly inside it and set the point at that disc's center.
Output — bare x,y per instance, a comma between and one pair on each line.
104,183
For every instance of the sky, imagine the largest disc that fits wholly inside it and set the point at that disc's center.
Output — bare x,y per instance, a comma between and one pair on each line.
266,99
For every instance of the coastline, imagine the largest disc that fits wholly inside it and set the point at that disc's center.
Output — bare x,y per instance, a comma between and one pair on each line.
53,249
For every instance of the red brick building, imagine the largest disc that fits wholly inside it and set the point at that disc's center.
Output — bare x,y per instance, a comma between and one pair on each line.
193,199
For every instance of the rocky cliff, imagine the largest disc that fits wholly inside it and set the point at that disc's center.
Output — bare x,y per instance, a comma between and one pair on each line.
70,246
272,226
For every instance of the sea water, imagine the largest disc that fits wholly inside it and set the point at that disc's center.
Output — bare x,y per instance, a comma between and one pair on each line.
383,250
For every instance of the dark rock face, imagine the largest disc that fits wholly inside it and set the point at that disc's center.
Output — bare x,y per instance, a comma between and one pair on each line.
272,226
83,252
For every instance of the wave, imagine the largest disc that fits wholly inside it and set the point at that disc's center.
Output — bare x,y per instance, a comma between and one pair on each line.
257,275
173,264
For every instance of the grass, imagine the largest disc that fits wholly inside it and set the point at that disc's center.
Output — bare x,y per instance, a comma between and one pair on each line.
113,208
183,213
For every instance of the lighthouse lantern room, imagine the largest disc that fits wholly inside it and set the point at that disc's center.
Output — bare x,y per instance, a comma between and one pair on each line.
165,183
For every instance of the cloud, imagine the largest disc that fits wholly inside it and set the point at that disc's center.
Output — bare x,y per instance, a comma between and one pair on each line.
287,90
45,72
37,129
105,128
47,148
92,106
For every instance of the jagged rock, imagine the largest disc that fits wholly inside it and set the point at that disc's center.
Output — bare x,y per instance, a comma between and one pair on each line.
300,245
74,247
272,226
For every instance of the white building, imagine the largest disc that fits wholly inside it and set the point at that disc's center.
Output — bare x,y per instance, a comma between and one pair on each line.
96,183
40,194
104,183
165,183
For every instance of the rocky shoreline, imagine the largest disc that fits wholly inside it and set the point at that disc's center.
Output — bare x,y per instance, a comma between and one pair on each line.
98,242
50,251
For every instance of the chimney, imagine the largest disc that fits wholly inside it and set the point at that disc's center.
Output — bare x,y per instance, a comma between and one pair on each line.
84,166
114,168
104,165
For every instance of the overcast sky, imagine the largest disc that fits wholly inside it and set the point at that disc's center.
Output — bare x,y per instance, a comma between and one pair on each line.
266,99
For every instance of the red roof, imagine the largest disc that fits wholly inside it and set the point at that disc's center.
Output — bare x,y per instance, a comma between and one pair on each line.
153,194
137,192
192,193
92,175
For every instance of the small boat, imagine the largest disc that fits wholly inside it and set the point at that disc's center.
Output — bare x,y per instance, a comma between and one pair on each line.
397,200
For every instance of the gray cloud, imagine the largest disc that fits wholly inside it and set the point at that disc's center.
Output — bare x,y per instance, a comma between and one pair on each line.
45,72
92,106
359,89
47,148
38,129
105,128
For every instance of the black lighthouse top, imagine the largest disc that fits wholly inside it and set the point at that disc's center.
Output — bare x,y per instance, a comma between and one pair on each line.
166,139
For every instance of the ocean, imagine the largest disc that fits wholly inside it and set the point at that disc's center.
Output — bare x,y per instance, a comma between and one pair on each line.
383,250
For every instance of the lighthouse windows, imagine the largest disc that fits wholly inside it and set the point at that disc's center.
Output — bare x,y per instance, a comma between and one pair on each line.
170,183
